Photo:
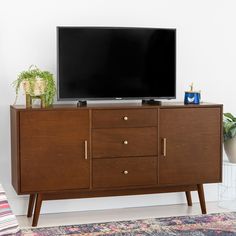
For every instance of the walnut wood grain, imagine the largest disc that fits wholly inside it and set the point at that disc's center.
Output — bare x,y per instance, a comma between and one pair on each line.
201,196
31,204
109,106
128,171
52,145
48,150
120,142
193,149
124,118
189,198
119,191
15,158
38,204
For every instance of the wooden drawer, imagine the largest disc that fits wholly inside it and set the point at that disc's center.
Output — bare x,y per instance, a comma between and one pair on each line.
124,142
123,172
124,118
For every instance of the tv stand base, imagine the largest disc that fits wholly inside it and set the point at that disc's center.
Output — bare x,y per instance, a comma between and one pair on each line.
151,102
82,103
36,199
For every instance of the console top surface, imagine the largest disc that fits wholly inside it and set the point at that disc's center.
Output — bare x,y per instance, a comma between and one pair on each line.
118,106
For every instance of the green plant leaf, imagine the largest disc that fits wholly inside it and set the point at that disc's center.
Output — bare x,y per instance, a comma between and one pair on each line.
228,126
233,132
229,116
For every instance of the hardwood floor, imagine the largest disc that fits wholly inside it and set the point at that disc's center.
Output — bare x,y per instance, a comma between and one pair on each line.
85,217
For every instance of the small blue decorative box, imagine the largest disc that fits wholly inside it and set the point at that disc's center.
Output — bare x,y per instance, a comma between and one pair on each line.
192,97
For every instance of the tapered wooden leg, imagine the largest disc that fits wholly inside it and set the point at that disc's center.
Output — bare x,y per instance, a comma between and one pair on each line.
189,198
31,205
201,198
38,204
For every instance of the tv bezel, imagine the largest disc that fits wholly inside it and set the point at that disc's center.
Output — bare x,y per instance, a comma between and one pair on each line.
110,98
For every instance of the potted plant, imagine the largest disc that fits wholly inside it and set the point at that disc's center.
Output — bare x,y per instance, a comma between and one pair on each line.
229,124
36,84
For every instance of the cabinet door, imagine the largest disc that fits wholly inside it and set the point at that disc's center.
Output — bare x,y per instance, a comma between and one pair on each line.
53,150
193,145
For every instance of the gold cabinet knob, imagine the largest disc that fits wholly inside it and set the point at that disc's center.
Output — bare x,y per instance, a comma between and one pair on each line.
125,118
125,142
125,172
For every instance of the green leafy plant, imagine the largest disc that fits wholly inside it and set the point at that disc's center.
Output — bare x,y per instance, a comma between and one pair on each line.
229,125
30,76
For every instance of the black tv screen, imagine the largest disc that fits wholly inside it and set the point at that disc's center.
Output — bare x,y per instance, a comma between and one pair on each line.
116,63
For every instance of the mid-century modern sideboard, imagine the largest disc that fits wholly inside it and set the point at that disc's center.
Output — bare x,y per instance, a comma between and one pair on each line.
67,151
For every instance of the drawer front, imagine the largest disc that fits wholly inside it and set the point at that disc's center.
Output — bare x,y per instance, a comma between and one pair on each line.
124,118
123,172
124,142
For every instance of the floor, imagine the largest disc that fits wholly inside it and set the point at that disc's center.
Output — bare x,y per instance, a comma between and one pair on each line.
118,214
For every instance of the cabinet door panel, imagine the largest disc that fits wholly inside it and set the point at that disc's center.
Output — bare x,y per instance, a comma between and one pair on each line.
193,145
52,150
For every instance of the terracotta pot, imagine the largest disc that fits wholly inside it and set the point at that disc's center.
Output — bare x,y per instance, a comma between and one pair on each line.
230,149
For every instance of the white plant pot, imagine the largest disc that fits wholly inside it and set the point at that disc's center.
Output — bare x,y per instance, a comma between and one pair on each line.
230,149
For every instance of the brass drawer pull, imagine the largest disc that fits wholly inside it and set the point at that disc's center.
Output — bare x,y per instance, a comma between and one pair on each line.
125,118
85,149
164,146
125,172
125,142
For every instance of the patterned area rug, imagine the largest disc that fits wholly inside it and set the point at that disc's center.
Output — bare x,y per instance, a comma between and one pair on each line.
222,224
8,222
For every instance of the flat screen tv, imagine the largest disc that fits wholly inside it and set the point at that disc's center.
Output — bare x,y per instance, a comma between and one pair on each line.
116,63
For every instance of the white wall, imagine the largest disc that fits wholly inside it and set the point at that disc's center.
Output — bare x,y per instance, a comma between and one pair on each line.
206,55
